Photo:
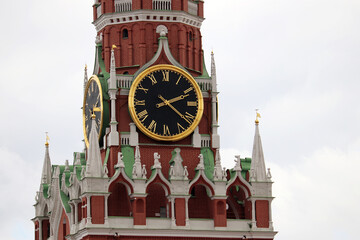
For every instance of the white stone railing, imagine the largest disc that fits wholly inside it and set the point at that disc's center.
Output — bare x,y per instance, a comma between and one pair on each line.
204,84
124,82
205,141
193,7
123,5
125,139
161,4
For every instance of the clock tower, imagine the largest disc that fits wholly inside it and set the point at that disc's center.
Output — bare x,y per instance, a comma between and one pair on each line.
152,167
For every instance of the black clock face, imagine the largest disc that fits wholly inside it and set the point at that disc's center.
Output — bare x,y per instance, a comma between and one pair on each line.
92,105
165,103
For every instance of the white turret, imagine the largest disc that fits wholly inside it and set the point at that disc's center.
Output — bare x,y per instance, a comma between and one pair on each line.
258,170
94,164
85,77
113,138
46,171
214,93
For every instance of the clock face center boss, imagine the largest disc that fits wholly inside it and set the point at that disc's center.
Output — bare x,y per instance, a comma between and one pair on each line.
166,103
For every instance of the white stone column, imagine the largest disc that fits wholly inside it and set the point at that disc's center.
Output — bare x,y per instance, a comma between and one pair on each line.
173,211
40,229
270,216
106,210
88,206
113,138
253,213
76,212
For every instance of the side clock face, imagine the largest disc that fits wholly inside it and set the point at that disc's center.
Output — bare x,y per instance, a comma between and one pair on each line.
166,103
93,104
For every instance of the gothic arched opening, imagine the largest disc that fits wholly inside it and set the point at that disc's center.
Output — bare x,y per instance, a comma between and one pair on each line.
199,203
237,205
119,201
156,201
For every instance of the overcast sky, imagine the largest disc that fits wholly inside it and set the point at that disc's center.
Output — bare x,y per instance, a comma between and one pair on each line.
296,61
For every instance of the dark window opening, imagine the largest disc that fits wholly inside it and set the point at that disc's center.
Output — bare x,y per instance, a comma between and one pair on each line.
125,34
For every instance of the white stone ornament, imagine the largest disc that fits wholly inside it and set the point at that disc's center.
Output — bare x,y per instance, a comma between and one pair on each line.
143,172
268,175
237,163
120,163
200,166
157,163
186,173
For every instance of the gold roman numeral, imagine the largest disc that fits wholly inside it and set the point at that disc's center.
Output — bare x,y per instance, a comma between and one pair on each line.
166,130
152,78
143,115
165,75
152,126
188,117
180,128
140,87
192,103
139,102
188,90
177,82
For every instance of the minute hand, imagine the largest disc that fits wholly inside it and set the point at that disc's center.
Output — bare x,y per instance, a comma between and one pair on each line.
172,100
166,102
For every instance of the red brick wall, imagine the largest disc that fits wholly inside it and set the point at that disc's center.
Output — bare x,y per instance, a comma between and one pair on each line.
180,211
142,44
45,229
262,213
97,209
64,227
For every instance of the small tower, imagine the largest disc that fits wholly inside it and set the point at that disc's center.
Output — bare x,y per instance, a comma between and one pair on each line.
261,182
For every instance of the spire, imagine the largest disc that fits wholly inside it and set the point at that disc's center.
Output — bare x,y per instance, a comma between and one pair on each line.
258,169
93,165
213,73
46,171
112,69
85,77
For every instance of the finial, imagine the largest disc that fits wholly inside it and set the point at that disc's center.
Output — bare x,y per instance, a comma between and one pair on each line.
212,52
47,139
113,46
85,66
257,116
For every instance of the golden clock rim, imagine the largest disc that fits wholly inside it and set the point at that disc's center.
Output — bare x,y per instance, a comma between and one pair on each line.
142,128
97,81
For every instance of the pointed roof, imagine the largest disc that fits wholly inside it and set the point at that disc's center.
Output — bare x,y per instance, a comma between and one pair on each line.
112,79
93,164
213,73
258,163
46,171
85,77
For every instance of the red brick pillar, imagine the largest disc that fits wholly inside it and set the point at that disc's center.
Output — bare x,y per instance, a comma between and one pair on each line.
139,210
219,212
180,214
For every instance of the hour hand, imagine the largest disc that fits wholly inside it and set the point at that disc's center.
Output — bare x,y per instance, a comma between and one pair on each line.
172,100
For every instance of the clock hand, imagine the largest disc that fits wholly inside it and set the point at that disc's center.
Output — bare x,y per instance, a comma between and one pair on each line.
172,100
166,102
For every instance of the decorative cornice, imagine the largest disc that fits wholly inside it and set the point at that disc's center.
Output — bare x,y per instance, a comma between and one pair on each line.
147,16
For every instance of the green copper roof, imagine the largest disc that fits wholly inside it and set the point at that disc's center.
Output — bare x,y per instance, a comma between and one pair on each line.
208,155
129,159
